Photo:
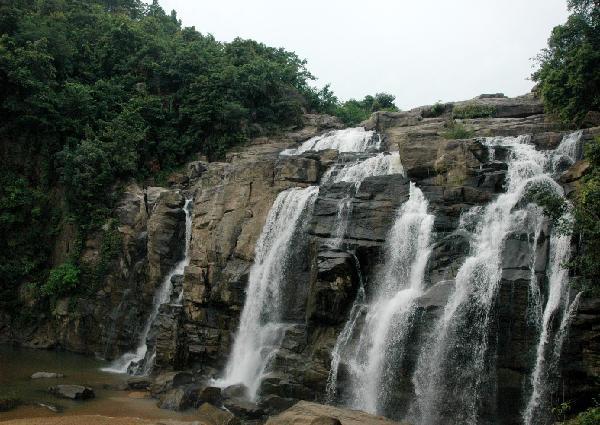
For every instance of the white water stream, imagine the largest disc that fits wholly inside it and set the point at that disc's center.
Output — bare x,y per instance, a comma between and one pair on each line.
261,330
140,360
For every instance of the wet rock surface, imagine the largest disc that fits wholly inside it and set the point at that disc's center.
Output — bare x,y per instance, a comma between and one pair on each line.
73,392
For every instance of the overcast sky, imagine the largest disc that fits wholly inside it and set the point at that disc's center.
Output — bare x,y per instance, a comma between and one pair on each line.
419,50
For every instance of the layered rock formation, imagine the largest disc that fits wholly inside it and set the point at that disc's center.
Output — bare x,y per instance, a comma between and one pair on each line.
231,202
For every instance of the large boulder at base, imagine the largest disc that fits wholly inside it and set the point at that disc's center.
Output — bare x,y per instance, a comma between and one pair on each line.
47,375
307,413
217,416
73,392
174,399
165,381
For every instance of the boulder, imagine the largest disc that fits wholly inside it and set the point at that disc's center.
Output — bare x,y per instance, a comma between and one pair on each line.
73,392
274,404
236,390
174,399
210,395
47,375
139,383
307,413
217,416
165,381
243,408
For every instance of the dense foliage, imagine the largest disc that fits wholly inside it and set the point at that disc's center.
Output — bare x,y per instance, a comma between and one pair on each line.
569,82
352,111
586,266
95,92
569,72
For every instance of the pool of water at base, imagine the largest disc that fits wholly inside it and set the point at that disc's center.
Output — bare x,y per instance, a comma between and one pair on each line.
18,364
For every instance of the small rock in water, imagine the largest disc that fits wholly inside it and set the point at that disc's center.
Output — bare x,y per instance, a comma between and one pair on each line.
52,407
73,392
47,375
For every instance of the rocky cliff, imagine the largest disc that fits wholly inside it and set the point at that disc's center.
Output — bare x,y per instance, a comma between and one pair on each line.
231,201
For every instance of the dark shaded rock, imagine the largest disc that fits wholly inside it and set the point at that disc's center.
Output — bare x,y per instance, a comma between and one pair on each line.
139,383
47,375
9,403
273,404
591,119
334,283
243,408
197,395
73,392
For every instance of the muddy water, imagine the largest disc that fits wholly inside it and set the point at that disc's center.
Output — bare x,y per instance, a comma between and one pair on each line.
17,365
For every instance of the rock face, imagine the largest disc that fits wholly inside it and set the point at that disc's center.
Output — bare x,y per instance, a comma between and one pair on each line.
231,201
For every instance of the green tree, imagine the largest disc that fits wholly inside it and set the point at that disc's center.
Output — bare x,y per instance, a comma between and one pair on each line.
569,72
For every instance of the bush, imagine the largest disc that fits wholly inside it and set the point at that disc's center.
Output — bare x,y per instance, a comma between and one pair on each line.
457,131
437,109
473,110
589,417
353,111
62,280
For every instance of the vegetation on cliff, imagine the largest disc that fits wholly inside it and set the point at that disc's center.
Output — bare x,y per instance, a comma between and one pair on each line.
96,92
569,83
569,72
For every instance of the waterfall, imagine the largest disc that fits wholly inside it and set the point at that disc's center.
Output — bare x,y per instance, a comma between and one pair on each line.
141,361
344,337
355,139
261,330
550,341
388,316
537,410
444,387
379,165
356,172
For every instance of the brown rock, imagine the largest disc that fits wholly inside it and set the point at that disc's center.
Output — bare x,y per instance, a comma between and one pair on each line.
306,413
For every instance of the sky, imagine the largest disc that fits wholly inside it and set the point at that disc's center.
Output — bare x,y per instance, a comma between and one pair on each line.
421,51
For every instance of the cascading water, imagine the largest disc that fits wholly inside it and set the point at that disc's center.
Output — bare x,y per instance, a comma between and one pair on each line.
261,328
550,342
444,388
140,362
344,337
388,315
355,139
356,172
